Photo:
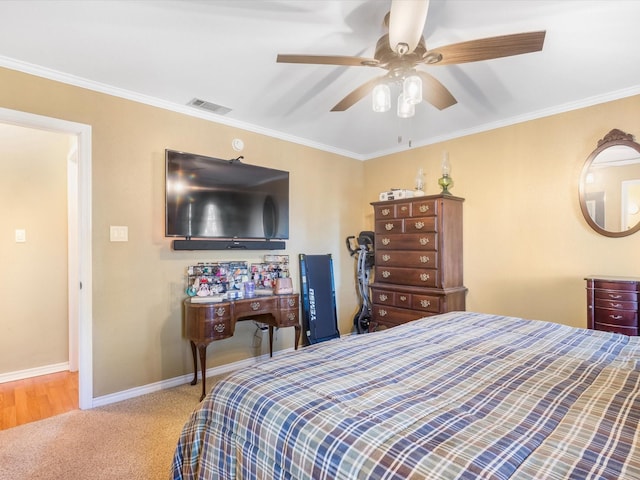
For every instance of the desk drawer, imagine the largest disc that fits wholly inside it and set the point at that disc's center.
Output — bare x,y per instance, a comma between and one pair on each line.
254,306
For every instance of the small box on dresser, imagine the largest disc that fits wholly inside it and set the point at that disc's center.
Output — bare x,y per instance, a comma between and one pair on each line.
418,259
612,304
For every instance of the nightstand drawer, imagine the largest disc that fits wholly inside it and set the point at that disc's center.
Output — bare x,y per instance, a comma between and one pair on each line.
623,318
617,295
615,304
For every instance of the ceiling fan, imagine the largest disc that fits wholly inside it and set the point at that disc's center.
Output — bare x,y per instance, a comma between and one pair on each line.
403,49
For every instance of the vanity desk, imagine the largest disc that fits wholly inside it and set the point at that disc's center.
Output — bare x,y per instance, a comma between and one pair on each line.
612,304
208,322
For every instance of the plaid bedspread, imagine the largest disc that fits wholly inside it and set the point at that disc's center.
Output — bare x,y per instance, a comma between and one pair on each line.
461,395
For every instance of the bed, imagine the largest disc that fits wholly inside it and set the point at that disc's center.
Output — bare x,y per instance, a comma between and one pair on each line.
458,395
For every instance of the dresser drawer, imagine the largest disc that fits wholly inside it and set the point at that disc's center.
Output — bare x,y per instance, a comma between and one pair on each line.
391,316
423,208
407,258
420,277
616,329
389,226
615,285
420,224
428,303
625,318
617,295
407,241
383,297
385,211
615,304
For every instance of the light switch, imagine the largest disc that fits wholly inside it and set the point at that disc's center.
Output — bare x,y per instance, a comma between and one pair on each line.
21,235
119,234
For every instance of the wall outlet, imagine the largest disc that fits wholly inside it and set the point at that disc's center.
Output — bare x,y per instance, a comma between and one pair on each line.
118,234
21,235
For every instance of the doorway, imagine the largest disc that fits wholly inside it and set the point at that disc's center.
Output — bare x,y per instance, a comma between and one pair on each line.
80,256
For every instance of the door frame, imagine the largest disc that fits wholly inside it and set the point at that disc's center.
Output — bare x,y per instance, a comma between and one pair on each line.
80,260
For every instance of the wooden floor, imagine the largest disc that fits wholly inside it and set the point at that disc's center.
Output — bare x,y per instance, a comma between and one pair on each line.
35,398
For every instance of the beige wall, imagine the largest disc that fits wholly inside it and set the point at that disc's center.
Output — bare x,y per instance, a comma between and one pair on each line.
527,247
139,285
33,275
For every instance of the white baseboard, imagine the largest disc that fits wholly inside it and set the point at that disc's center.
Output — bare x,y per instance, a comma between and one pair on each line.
34,372
177,381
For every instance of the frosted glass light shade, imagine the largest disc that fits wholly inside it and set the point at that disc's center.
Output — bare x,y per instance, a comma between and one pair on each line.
381,97
405,109
412,89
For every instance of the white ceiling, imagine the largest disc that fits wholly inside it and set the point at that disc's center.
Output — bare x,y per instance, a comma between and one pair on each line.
168,52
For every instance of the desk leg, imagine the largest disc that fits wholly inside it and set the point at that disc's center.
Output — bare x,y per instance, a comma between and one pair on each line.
195,362
202,348
297,339
271,340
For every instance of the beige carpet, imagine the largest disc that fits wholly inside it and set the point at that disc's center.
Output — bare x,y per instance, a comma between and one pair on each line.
131,440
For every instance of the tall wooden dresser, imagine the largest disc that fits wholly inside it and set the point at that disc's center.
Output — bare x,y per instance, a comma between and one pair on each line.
418,259
612,304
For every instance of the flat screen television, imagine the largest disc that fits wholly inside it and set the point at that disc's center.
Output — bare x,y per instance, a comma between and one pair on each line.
212,198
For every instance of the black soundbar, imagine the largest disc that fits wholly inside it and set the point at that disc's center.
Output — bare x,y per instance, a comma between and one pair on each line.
228,245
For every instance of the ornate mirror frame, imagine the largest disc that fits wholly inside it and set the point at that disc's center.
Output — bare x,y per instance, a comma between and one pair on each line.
614,138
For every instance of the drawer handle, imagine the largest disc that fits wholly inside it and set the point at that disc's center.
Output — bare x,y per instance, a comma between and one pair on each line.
292,302
424,208
615,317
424,240
383,313
616,305
615,297
255,306
220,311
419,225
386,257
404,208
424,277
219,327
291,316
424,259
386,241
385,211
388,226
403,298
386,273
383,297
425,303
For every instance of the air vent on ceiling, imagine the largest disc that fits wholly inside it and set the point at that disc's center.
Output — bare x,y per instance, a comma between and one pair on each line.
209,106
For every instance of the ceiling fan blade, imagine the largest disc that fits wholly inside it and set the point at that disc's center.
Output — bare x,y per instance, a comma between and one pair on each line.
488,48
435,92
356,95
328,60
406,23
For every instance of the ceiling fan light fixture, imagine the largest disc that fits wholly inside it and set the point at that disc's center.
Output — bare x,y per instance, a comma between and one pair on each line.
405,109
381,97
412,89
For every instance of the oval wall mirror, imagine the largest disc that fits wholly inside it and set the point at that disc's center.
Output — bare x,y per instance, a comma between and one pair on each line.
610,186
